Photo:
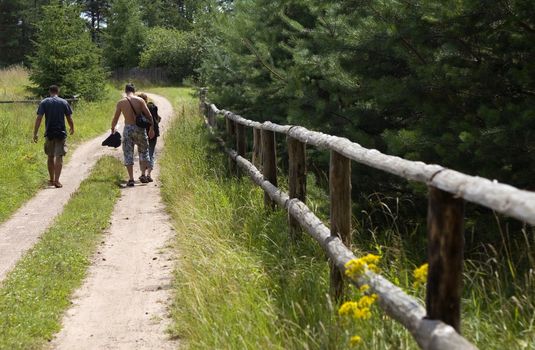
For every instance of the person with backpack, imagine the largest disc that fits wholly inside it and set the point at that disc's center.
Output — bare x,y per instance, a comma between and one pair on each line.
152,141
134,108
55,109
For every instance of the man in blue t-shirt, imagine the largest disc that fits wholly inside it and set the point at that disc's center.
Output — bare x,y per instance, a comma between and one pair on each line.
55,109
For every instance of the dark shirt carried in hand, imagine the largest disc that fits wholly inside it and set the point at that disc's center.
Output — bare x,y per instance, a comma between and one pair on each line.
55,109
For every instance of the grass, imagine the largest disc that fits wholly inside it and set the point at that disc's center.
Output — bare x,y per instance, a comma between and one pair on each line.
36,292
241,283
24,162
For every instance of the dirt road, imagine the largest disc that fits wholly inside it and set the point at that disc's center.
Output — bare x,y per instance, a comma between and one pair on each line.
123,302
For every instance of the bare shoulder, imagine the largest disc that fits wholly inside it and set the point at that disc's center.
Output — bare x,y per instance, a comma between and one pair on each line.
137,98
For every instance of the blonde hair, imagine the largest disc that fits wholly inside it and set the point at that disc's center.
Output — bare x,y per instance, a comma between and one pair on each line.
143,96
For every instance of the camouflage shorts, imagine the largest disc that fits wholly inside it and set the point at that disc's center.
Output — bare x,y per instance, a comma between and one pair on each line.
134,135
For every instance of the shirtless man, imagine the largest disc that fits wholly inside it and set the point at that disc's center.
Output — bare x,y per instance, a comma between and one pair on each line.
133,134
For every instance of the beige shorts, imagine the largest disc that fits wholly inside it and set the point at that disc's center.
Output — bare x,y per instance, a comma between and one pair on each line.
55,147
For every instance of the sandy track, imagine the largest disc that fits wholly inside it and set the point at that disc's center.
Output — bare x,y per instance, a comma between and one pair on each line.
123,302
28,223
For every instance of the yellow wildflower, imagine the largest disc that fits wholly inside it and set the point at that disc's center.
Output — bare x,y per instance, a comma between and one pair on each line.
348,308
355,340
420,275
355,267
364,288
367,301
371,259
373,268
363,313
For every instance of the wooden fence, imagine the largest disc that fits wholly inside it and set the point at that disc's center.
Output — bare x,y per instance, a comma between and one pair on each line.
70,100
437,326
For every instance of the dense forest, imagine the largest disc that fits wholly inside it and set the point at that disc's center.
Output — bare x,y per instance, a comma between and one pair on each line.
447,82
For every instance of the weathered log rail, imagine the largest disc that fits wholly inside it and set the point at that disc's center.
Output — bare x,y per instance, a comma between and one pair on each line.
437,326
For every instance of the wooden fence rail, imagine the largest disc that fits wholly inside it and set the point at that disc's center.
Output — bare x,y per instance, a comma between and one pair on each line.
72,100
438,325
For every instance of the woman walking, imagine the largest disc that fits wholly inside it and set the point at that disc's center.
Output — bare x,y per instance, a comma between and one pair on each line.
152,141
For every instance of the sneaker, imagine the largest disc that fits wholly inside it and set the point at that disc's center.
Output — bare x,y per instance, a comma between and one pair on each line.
149,179
143,179
130,183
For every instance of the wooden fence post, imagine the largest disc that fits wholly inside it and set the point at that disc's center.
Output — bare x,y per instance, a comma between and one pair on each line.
240,141
231,132
340,198
257,148
269,163
202,104
445,234
297,179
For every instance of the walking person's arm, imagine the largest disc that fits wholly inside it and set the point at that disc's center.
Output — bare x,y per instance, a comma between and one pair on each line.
146,112
71,124
36,127
115,119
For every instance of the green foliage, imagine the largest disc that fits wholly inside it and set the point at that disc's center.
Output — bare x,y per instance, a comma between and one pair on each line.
124,36
65,54
37,291
10,33
451,84
173,49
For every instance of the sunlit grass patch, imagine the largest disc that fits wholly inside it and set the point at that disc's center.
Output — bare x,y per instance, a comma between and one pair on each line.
37,291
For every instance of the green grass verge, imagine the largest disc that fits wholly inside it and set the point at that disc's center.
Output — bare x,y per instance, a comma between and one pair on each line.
35,294
24,162
241,283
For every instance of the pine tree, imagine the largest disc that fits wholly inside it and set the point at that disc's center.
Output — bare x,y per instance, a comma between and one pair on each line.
125,35
10,33
65,55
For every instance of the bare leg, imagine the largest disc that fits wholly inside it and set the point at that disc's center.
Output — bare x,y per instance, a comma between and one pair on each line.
58,164
142,167
130,169
50,164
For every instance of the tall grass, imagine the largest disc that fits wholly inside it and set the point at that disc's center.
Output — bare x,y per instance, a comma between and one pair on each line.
241,281
23,162
14,83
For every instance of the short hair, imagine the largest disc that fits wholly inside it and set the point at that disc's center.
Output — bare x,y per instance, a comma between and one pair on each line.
143,96
53,89
130,87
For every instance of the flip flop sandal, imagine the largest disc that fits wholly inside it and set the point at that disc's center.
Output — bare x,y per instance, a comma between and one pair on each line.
58,184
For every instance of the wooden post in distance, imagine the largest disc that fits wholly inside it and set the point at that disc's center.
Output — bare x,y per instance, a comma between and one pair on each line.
297,179
269,163
340,200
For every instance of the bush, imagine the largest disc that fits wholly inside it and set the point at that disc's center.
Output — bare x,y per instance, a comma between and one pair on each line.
172,49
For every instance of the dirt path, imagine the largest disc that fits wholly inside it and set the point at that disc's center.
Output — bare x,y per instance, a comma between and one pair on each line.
123,302
26,225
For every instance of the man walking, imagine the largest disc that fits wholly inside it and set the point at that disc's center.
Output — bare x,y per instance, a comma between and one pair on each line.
55,109
130,106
